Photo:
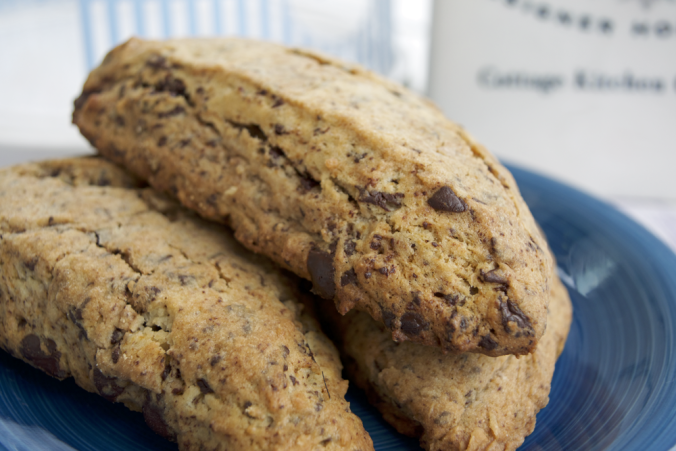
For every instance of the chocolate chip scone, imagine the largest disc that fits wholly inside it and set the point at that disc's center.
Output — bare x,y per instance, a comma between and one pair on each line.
454,402
342,177
143,303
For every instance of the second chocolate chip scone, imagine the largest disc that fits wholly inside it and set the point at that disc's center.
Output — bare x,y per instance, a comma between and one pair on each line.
454,402
344,178
141,302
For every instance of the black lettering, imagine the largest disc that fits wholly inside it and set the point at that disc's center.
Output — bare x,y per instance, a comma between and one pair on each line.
606,26
663,29
564,18
640,29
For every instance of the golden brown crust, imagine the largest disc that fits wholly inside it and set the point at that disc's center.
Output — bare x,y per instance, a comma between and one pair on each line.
454,402
336,174
143,303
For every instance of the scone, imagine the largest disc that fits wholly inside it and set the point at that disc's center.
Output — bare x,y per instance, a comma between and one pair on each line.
342,177
145,304
454,402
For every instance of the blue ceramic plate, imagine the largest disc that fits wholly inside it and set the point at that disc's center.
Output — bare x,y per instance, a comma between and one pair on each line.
614,385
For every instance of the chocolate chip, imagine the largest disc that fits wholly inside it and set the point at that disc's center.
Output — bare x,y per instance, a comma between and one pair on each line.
375,244
388,317
493,277
107,386
307,182
204,386
383,270
285,351
348,278
280,130
157,62
184,142
386,201
412,323
154,416
116,336
115,355
214,360
451,299
294,381
171,85
446,200
74,314
350,247
488,343
30,264
511,313
278,103
321,269
173,112
103,180
48,362
165,373
162,141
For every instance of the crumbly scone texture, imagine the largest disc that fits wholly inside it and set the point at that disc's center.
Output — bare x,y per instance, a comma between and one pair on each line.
140,301
454,402
336,174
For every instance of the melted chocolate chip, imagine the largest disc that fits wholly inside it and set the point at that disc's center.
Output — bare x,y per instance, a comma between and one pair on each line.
350,247
154,416
386,201
117,336
321,269
204,386
165,373
74,314
172,86
388,318
451,299
214,360
493,277
446,200
307,182
48,362
511,313
157,62
115,355
107,386
348,278
488,343
30,264
412,323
